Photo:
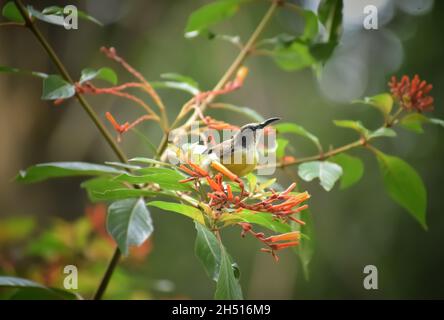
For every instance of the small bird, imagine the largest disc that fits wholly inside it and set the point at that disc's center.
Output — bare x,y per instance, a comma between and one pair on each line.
238,154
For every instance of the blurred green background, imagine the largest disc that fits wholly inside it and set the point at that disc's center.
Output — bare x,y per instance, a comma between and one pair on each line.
354,228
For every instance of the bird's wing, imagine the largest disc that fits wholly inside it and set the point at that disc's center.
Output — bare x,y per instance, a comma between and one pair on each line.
222,149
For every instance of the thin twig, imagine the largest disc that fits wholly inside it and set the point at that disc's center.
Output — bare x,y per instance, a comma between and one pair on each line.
107,276
320,156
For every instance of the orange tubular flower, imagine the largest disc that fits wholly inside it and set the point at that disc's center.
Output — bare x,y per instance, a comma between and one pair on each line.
227,173
289,236
214,185
412,95
280,246
229,193
187,170
199,170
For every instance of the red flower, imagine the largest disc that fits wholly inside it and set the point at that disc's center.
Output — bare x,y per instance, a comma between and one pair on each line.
412,95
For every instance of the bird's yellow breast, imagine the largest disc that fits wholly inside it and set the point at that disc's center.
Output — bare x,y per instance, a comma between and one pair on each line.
241,164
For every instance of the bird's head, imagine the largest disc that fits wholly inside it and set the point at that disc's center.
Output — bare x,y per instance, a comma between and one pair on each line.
247,133
261,125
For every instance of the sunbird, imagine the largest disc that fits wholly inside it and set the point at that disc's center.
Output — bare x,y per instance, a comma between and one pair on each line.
238,154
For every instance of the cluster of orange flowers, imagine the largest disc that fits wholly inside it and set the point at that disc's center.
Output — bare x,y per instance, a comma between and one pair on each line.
412,95
282,205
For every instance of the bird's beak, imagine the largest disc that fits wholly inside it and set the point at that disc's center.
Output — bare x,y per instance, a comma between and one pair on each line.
267,122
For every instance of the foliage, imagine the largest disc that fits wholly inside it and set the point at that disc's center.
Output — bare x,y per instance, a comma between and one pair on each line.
43,257
207,192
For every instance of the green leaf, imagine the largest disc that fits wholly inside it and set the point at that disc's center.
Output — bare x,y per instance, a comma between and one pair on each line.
123,165
322,51
186,210
129,223
166,178
382,132
259,218
414,122
12,13
228,287
32,290
330,15
175,85
293,57
179,82
150,161
305,249
54,87
44,171
210,14
245,111
383,102
437,121
180,78
55,15
97,187
106,74
30,293
327,172
15,282
351,124
404,186
311,23
208,251
49,18
122,193
281,146
6,69
299,130
55,10
352,169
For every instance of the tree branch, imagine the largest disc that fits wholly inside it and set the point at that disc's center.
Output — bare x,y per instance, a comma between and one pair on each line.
56,60
321,156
